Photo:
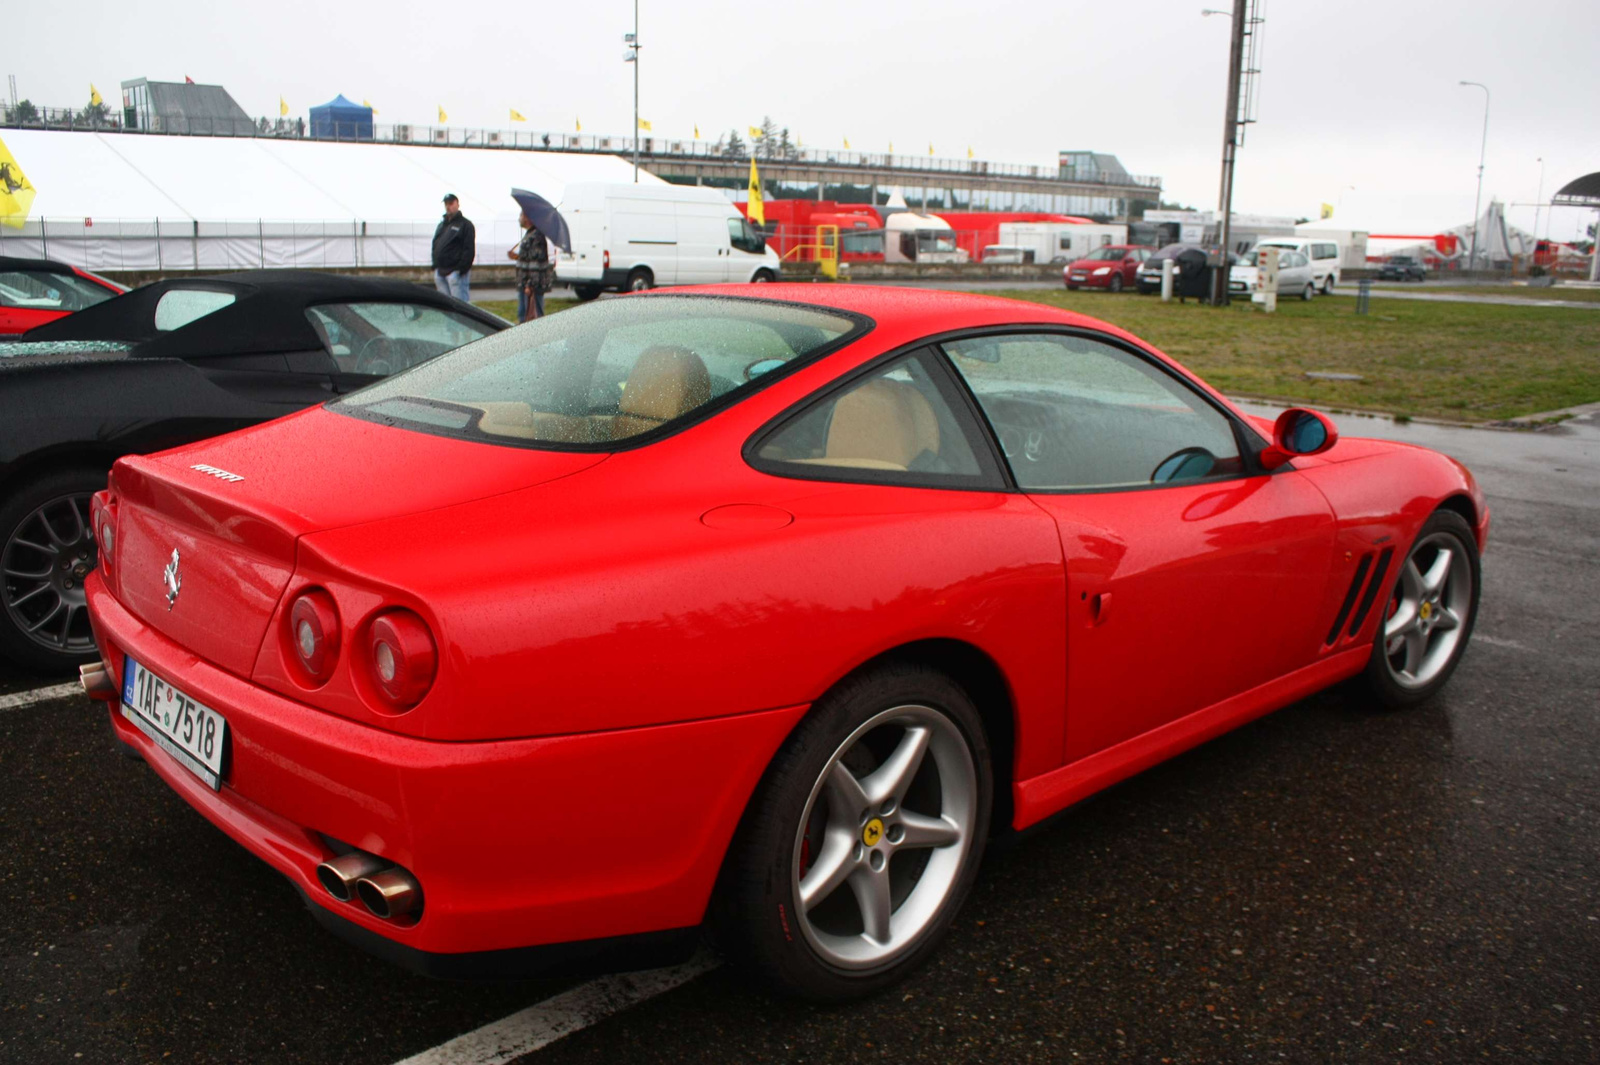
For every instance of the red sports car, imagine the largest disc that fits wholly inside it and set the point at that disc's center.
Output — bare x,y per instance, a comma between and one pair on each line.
1114,267
769,604
36,291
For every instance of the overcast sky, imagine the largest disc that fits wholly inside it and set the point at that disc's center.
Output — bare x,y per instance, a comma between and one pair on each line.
1359,101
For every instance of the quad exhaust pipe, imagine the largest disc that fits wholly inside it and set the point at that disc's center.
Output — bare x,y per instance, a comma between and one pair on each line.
386,890
96,681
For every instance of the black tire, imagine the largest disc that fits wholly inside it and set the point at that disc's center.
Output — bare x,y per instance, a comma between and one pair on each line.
1309,292
57,642
640,280
1072,288
763,277
758,916
1115,284
586,292
1380,676
1327,285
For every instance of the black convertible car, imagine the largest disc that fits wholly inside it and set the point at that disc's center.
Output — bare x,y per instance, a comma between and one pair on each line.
168,364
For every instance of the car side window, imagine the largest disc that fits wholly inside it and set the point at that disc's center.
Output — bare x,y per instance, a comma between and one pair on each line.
897,425
385,338
1073,412
181,306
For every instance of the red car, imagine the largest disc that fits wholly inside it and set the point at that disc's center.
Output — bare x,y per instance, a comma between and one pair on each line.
1114,267
36,291
771,604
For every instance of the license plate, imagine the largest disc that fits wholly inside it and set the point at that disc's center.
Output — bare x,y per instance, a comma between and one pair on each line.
1080,277
195,735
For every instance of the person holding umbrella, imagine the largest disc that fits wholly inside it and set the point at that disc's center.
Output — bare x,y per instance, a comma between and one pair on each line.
535,274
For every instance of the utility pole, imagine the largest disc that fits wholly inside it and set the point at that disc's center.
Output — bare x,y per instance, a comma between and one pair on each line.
1230,145
1538,202
1472,257
632,56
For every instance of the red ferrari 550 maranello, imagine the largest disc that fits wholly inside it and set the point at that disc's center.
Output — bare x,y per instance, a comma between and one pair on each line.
770,605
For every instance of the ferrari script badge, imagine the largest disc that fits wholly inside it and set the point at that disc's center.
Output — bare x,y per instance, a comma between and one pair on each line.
173,579
872,832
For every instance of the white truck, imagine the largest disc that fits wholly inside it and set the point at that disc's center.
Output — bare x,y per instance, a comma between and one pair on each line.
630,237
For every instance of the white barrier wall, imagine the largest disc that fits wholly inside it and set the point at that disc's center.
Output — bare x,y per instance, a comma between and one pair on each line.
110,201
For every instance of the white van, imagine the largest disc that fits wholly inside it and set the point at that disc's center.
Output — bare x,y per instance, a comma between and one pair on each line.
631,237
1323,253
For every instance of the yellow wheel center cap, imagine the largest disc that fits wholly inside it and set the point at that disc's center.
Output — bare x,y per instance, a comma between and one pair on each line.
872,832
1426,611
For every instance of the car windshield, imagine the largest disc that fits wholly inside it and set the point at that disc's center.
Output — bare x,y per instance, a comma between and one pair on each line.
592,376
1106,254
49,291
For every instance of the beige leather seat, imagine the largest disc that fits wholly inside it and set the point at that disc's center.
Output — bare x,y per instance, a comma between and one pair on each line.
666,383
880,425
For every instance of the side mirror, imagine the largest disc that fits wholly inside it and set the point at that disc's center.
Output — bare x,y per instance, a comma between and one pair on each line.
1298,431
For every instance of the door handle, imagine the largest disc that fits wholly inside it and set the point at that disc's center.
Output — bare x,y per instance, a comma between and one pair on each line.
1099,608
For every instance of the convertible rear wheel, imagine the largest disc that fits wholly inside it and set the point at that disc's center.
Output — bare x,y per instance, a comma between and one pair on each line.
1430,614
863,839
47,547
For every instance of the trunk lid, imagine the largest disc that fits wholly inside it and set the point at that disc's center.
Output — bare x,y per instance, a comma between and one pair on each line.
232,509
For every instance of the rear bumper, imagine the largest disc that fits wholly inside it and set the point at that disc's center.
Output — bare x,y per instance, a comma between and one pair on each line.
516,843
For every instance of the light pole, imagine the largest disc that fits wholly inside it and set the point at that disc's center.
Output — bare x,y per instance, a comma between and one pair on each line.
1472,257
632,56
1538,202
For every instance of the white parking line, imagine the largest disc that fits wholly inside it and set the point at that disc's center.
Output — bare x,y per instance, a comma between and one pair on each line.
18,700
540,1025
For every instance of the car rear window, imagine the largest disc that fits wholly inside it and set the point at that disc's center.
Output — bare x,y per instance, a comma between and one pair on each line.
617,371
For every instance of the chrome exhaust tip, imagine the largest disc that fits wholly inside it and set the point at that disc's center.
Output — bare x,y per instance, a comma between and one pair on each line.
339,875
96,681
391,893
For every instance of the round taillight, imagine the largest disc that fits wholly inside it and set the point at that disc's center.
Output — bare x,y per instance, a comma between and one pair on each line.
108,538
402,657
314,634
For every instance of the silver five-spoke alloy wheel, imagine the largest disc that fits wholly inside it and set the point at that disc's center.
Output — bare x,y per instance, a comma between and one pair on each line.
1431,602
884,838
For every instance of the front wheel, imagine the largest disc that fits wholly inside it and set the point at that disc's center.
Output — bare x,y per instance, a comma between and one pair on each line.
1430,613
863,839
47,548
1327,285
1115,284
1308,292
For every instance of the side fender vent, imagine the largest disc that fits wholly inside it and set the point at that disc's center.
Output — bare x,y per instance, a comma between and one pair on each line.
1356,583
1372,590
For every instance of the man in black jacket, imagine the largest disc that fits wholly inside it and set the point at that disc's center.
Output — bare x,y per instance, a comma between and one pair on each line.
454,246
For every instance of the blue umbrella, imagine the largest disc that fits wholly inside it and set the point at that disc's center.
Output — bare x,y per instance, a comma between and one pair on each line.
543,214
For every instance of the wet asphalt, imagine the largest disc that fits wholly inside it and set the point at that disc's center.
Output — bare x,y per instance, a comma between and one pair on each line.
1330,883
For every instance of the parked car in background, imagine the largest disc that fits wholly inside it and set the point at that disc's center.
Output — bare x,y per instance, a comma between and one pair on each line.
36,291
167,364
627,238
1295,276
999,254
1188,270
764,610
1114,267
1402,268
1322,254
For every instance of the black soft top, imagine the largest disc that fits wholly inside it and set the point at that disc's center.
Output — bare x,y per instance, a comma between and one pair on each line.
12,262
267,315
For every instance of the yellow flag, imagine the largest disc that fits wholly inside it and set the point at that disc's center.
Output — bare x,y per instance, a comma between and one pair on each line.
930,148
644,125
442,116
755,131
757,213
94,96
368,105
891,147
847,144
516,116
16,192
283,107
969,152
697,131
577,125
1327,210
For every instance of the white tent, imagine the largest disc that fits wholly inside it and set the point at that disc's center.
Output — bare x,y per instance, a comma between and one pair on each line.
109,201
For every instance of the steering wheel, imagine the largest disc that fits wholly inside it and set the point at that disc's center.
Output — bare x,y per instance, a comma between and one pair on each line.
1184,464
377,356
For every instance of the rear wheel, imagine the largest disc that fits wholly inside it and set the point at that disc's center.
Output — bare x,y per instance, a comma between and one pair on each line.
1115,284
1309,291
586,292
640,279
1429,617
864,837
1327,285
47,548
